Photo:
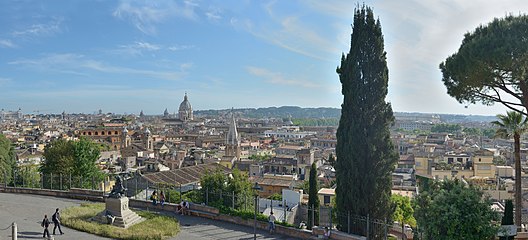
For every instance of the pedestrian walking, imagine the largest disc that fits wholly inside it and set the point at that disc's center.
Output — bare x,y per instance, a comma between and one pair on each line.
56,221
271,220
45,224
162,198
154,198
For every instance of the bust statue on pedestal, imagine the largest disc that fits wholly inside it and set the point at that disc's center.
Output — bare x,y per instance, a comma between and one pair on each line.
117,208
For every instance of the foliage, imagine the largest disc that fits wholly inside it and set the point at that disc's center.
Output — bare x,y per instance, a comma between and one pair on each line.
451,210
313,199
58,157
76,158
239,185
366,154
7,159
172,196
491,65
195,196
315,121
513,124
507,219
217,183
213,181
155,227
403,210
446,128
276,196
249,214
28,176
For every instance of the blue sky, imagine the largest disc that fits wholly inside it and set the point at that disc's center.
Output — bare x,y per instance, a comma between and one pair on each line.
127,56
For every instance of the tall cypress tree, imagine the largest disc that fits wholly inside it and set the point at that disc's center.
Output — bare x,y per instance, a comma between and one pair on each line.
313,199
364,149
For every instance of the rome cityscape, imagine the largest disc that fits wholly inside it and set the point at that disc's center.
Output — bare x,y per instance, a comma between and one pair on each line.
263,120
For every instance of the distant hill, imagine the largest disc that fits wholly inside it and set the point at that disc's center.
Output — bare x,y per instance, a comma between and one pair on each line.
277,112
329,113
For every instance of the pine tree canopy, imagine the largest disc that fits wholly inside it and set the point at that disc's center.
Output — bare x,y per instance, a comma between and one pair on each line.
491,65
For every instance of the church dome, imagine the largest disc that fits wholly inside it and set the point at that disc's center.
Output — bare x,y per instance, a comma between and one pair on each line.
185,105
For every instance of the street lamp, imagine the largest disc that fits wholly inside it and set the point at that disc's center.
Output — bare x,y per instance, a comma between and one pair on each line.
256,188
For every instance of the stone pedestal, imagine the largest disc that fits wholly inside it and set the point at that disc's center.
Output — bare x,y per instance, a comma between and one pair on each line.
121,215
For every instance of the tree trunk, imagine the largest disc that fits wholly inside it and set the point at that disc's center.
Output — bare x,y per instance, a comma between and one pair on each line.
518,189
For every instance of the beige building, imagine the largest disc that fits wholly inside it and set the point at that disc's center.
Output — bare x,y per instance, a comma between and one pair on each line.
326,196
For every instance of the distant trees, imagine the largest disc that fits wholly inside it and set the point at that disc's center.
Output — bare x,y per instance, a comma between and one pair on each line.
446,128
513,125
313,199
366,156
491,65
7,159
450,210
315,121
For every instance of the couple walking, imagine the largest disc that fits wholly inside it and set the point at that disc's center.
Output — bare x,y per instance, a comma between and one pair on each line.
55,218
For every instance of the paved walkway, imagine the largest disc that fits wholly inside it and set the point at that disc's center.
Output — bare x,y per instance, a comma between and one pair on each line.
28,210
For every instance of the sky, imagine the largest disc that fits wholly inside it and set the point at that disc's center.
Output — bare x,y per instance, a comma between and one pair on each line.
127,56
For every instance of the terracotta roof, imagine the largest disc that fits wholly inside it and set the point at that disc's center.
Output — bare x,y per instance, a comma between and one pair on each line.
184,176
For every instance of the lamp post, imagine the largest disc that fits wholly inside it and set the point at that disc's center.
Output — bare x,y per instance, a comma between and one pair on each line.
256,188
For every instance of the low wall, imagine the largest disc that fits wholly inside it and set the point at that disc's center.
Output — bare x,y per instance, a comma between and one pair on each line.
89,195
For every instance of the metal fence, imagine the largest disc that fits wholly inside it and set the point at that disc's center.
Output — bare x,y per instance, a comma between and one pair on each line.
139,188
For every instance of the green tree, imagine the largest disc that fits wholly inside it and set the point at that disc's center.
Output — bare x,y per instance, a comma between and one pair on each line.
58,157
7,159
403,210
512,125
28,176
78,158
507,219
213,183
85,155
446,128
366,154
239,185
450,210
491,65
313,199
276,196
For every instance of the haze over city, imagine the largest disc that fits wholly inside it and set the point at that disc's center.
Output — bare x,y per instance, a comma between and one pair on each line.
123,56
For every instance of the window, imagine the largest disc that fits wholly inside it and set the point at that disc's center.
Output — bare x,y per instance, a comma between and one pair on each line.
96,133
326,200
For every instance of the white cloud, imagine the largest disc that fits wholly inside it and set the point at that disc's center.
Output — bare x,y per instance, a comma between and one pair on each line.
80,65
6,43
5,81
140,47
214,14
146,14
278,78
180,47
289,32
40,29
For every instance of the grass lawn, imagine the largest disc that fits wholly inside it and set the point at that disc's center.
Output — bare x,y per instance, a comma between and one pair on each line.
155,227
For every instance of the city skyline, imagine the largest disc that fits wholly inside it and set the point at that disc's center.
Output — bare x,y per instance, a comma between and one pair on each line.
127,56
